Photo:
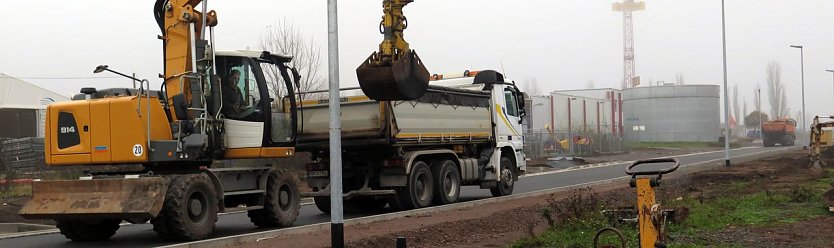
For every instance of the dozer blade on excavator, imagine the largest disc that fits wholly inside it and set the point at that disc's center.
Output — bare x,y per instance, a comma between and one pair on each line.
123,198
406,79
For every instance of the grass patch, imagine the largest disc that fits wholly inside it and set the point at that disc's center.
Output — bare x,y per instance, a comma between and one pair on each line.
16,190
734,209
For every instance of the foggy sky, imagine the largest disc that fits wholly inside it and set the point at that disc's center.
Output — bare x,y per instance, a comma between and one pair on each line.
562,43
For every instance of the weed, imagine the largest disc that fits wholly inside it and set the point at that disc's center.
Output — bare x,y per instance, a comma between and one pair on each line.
801,194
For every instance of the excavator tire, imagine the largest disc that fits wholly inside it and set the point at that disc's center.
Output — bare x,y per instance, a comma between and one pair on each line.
88,230
282,204
190,209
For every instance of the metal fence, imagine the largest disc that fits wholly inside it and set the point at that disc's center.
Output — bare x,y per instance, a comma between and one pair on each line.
22,156
543,144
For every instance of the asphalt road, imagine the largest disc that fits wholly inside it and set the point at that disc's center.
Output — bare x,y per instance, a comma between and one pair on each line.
238,223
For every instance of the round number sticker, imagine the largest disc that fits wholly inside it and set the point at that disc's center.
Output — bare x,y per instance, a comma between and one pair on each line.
138,150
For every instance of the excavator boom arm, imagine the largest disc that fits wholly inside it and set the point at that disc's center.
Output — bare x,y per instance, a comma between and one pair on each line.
182,27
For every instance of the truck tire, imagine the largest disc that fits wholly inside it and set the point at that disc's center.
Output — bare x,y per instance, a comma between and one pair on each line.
322,203
419,191
282,202
189,211
506,185
88,230
446,177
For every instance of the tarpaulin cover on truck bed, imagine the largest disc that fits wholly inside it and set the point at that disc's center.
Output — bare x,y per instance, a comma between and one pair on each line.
455,97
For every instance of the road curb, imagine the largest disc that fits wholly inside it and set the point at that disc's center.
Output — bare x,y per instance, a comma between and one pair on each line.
271,234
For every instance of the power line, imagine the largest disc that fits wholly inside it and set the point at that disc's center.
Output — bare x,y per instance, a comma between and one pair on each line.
58,78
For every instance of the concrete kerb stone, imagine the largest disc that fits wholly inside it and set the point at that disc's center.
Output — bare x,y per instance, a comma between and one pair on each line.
265,235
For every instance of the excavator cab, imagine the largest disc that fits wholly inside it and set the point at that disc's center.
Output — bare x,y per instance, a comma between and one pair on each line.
395,72
252,117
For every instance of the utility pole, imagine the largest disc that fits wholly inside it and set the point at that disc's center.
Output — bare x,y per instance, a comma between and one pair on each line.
802,66
337,228
759,108
630,79
726,95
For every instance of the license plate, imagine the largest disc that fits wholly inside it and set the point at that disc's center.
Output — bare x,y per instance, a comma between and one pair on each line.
318,174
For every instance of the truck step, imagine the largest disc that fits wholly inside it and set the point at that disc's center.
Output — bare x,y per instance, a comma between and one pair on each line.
244,192
241,209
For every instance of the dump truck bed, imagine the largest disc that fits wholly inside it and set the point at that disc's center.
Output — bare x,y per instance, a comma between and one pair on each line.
779,126
444,115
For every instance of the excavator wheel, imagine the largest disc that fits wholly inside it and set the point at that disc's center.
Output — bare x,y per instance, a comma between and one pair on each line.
82,230
190,209
282,204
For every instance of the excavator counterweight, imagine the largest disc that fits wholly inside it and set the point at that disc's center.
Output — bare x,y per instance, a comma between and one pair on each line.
395,72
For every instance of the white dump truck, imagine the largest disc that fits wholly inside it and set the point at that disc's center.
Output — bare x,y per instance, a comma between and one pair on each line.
411,154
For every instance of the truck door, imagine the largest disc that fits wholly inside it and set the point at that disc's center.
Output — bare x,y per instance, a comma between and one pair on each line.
508,121
513,114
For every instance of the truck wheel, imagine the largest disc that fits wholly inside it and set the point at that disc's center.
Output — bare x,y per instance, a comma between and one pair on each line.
190,209
88,230
282,203
506,185
418,193
322,203
446,181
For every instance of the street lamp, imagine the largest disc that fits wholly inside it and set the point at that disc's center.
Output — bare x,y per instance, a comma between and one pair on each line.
102,68
802,65
726,95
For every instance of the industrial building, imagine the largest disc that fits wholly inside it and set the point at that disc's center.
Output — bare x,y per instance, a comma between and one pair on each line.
20,107
593,114
672,113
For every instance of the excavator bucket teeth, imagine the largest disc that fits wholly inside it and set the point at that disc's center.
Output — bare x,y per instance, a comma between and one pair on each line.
98,198
406,79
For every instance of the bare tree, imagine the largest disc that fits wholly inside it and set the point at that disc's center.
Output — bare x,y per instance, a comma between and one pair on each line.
743,110
531,87
286,38
776,97
756,100
679,79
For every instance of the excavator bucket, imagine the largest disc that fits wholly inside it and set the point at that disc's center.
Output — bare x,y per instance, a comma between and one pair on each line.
405,79
123,198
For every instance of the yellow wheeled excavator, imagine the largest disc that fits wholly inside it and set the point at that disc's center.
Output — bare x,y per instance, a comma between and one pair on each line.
819,146
153,153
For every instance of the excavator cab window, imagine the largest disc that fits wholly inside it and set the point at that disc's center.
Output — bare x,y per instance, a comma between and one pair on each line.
240,89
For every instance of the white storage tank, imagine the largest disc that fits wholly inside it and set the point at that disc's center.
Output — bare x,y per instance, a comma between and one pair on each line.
675,113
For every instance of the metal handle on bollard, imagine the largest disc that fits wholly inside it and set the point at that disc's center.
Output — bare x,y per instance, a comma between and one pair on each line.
401,242
653,161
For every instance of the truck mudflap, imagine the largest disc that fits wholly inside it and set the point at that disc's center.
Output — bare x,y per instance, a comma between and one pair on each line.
121,198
